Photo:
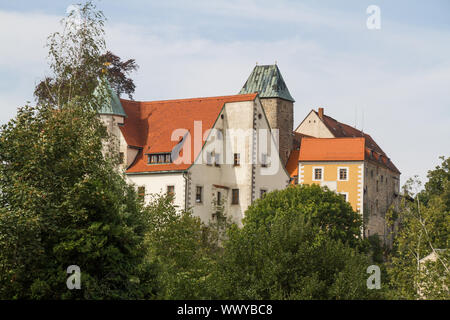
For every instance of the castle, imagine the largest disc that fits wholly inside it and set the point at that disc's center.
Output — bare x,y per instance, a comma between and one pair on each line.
229,151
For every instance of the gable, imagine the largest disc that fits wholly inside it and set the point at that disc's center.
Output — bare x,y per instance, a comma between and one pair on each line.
313,126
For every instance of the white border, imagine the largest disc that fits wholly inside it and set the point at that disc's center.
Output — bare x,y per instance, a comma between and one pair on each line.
338,175
346,196
314,176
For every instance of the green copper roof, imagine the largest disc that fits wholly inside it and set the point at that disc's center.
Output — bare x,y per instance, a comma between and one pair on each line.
114,107
268,82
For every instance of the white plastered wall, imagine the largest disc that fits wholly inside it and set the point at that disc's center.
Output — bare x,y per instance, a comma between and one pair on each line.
156,183
313,126
237,116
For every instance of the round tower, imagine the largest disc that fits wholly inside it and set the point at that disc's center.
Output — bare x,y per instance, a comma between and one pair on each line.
113,116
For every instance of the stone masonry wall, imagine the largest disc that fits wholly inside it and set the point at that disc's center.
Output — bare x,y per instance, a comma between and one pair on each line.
381,190
280,114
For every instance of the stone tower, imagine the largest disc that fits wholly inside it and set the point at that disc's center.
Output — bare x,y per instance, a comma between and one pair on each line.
113,116
277,102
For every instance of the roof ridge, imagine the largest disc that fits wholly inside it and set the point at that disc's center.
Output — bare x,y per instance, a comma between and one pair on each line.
310,137
196,99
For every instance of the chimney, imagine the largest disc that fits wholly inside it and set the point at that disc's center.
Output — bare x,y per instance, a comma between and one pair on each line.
321,113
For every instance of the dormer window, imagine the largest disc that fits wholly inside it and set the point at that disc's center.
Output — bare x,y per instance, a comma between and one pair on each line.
159,158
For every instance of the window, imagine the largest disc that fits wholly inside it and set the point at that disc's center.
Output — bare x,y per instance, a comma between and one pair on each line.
317,174
235,196
343,174
377,185
121,157
237,159
153,158
217,160
171,190
199,194
381,179
141,193
262,193
264,162
344,195
159,158
219,198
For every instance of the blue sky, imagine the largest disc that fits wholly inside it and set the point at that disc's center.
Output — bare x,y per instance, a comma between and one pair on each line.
398,76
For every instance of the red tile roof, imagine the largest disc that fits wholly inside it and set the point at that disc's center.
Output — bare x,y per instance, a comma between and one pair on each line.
332,149
149,125
292,164
342,130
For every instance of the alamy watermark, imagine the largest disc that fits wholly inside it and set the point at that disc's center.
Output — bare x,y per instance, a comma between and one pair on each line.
374,280
254,146
374,20
74,280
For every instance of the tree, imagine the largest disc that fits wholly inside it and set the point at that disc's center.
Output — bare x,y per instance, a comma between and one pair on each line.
62,202
117,73
424,230
180,245
325,209
297,243
290,259
78,58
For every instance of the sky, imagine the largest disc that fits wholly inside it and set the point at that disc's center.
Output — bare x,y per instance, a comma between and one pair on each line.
392,82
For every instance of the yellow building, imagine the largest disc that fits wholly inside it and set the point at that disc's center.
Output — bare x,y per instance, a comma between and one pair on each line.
336,163
349,162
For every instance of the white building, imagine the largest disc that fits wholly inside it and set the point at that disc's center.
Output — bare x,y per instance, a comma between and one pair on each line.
208,150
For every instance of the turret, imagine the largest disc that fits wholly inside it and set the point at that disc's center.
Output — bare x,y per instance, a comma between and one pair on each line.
277,102
113,116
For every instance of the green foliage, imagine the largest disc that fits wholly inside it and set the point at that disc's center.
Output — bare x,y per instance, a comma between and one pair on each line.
182,248
424,229
376,248
62,202
326,211
289,256
78,58
438,183
75,56
290,259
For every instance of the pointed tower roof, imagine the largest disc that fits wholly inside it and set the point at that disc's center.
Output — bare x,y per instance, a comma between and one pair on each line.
268,82
114,107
